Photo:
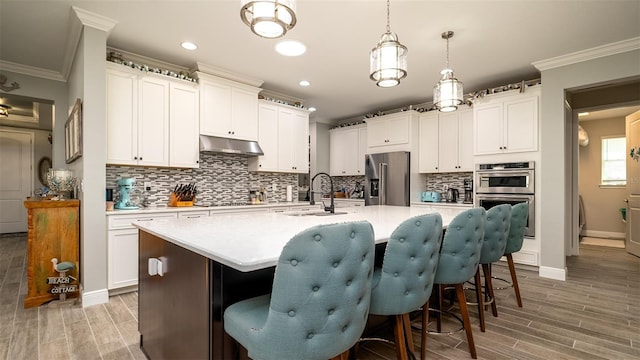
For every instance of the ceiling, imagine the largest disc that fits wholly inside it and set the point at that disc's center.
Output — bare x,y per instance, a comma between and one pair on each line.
495,42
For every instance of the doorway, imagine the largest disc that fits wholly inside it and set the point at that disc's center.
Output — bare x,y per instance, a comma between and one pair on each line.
601,175
25,156
621,97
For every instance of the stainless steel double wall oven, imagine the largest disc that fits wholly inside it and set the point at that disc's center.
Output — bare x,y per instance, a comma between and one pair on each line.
507,183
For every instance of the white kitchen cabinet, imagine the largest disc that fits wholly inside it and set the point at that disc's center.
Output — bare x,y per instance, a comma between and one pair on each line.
153,122
284,139
184,150
227,108
446,141
122,117
347,147
391,132
140,110
122,248
507,123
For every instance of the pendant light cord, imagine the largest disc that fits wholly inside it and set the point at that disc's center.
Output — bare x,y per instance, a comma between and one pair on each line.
388,6
448,53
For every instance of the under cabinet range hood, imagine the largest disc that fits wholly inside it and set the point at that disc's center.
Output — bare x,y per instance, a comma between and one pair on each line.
229,146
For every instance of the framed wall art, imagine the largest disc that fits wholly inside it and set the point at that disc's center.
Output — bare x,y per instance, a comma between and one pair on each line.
73,133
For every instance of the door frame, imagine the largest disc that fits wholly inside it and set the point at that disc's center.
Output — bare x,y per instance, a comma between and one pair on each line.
31,135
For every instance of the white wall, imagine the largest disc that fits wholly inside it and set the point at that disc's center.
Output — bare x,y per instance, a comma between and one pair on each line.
554,170
87,82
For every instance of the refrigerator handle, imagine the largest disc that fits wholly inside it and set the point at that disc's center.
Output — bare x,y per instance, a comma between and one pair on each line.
382,189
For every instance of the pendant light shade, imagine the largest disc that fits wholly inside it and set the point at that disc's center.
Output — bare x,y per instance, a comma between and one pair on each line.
269,18
388,60
4,110
448,93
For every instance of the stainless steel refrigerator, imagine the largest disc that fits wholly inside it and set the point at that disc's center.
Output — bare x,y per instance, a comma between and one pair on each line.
387,178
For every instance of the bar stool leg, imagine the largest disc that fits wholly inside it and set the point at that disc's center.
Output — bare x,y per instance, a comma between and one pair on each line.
486,268
423,332
465,318
479,299
400,339
514,278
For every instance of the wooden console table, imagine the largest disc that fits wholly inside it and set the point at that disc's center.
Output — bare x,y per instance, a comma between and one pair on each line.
53,232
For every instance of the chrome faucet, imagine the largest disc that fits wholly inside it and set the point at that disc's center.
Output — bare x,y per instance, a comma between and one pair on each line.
331,208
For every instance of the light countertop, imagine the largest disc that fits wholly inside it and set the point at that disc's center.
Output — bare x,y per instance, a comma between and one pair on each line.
442,203
254,241
161,209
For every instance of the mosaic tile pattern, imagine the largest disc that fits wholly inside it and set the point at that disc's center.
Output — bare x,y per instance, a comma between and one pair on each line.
222,179
442,181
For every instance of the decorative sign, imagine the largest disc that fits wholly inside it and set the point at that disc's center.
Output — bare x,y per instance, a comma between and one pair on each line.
62,284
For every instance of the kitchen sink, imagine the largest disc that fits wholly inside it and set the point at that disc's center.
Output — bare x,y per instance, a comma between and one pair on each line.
317,213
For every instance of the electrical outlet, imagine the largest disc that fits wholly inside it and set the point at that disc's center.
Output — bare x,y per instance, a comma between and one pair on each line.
147,185
273,187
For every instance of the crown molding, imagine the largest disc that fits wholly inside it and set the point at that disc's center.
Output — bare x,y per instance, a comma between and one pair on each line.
96,21
31,71
82,18
589,54
227,74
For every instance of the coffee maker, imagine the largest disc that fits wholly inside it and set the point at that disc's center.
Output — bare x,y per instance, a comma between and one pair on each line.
468,191
126,186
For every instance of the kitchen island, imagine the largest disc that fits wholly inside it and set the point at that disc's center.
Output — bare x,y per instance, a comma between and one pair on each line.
190,270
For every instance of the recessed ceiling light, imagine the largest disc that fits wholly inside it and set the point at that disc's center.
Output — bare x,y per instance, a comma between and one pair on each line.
189,45
583,114
312,109
304,83
290,48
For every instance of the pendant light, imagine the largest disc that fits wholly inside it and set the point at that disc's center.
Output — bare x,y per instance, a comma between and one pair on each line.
269,18
388,60
447,94
4,110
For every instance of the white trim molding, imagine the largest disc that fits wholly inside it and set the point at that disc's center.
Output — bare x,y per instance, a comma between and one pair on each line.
553,273
589,54
31,71
96,297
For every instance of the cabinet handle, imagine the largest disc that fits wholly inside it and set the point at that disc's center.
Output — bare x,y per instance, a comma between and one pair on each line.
140,157
135,158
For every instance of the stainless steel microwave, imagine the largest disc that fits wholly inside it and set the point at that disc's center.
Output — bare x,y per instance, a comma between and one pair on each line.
508,178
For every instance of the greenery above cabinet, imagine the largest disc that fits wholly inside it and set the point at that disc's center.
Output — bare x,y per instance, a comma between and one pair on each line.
151,121
347,147
227,108
446,141
283,135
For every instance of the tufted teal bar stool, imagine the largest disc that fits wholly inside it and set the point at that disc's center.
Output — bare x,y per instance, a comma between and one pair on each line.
519,216
320,298
404,282
496,233
459,258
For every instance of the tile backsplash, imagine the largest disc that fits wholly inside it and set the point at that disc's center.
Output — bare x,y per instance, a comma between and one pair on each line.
222,179
441,181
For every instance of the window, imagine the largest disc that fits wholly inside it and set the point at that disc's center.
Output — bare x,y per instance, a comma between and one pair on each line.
614,171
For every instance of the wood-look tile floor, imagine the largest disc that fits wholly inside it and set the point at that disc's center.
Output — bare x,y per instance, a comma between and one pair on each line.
595,314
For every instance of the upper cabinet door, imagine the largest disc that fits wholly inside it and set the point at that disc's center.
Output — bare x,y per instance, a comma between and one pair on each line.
343,152
376,133
448,142
267,139
487,128
122,118
521,124
184,110
215,109
362,150
153,122
244,114
301,142
429,142
465,140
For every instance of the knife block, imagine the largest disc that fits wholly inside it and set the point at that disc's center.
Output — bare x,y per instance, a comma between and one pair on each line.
173,201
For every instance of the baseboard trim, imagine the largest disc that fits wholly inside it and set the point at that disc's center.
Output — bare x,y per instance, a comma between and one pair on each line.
96,297
553,273
603,234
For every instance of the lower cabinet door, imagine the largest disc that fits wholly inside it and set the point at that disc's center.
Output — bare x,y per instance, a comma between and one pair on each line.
122,258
